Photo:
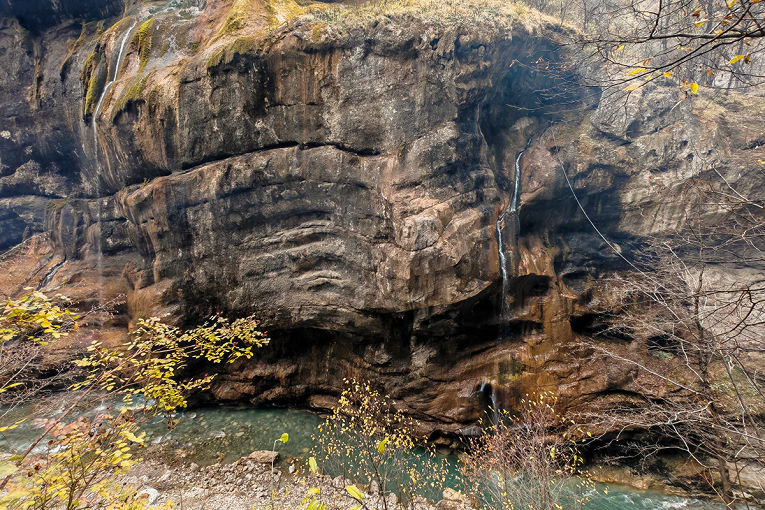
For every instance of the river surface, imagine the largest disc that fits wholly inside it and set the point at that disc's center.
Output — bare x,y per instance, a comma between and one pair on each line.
205,435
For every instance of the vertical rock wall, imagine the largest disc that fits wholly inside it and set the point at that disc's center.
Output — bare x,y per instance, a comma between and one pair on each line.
344,184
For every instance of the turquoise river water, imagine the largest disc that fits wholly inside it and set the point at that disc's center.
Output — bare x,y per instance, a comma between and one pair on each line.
211,433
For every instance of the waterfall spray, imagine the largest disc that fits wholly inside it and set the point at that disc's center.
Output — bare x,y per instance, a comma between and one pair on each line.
517,183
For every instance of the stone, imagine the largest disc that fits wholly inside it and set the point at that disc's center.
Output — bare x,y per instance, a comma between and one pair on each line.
194,467
150,494
263,456
454,500
420,503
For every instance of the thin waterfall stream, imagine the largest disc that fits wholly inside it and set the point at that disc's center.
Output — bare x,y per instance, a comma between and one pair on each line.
110,82
512,208
111,78
112,75
45,281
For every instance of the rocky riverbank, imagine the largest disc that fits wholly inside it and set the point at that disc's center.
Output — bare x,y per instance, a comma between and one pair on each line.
245,485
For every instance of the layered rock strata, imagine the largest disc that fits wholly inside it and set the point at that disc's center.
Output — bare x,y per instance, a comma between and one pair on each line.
343,183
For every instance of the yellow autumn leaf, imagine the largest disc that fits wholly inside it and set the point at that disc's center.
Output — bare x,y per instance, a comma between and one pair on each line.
732,3
619,48
701,22
735,59
632,87
354,492
131,437
668,74
694,87
638,70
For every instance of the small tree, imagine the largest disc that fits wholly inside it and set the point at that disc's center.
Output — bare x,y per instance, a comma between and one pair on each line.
528,460
86,456
368,440
27,325
79,472
697,311
691,43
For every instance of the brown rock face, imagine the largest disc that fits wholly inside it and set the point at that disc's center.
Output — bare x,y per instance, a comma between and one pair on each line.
344,186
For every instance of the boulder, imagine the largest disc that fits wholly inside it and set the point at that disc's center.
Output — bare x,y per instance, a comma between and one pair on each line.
263,456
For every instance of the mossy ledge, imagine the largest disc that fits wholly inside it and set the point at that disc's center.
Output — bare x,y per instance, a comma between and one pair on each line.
132,94
92,77
144,36
242,45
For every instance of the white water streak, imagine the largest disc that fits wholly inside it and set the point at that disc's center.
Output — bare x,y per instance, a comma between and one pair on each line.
120,57
517,185
513,208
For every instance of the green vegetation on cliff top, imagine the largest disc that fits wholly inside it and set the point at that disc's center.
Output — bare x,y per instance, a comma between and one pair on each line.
338,18
477,13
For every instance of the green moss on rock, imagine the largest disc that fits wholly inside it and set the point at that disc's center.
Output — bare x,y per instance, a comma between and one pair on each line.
53,207
144,42
236,18
132,93
240,46
280,11
91,77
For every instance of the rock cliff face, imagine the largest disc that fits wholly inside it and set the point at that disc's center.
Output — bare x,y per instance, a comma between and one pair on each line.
343,182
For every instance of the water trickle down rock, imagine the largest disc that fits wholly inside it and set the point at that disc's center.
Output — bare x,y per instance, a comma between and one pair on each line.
503,239
114,75
110,82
